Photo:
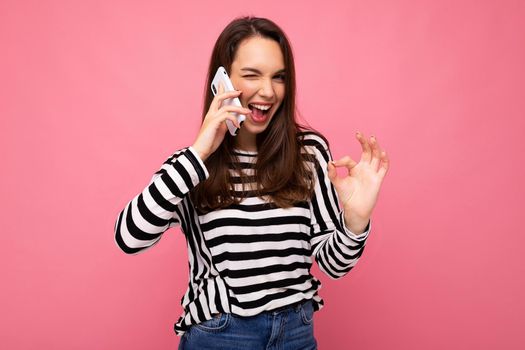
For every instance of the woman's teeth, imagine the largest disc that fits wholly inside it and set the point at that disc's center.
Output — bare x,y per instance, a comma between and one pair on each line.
261,107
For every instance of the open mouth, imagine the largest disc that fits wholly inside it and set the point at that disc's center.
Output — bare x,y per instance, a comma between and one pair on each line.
259,112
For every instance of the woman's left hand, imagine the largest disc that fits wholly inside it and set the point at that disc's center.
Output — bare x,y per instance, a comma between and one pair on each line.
359,189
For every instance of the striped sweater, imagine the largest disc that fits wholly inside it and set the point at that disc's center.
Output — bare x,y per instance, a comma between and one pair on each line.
247,258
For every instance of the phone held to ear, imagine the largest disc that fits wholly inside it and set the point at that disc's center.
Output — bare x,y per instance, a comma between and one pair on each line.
222,76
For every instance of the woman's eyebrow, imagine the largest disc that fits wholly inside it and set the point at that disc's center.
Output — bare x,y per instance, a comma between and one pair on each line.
255,70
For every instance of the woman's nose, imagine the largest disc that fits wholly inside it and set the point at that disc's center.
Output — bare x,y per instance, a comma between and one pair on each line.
266,89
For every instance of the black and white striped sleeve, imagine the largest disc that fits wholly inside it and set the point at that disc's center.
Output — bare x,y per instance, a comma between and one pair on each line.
143,220
335,248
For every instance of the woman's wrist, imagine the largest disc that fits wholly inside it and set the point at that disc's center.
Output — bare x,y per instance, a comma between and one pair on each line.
201,154
356,225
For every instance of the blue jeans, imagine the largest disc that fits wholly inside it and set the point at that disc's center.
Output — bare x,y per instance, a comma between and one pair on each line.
289,328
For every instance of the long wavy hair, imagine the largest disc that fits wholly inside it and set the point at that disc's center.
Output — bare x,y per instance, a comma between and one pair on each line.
281,171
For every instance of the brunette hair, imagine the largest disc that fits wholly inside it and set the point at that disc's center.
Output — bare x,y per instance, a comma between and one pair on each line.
281,171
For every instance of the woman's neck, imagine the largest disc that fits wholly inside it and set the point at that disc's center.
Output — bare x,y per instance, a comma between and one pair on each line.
246,141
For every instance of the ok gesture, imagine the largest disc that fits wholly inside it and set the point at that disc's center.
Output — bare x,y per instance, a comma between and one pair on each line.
359,189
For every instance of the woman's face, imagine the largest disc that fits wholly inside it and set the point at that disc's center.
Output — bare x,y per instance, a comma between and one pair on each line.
258,71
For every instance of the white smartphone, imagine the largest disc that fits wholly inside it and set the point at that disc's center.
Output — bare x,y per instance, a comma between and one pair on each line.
222,76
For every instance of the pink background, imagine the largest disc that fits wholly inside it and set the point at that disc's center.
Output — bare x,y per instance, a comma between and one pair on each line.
94,95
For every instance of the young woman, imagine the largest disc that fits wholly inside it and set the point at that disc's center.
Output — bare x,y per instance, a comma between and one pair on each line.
258,207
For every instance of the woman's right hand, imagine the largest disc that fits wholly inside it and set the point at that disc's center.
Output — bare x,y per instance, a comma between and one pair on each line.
214,126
